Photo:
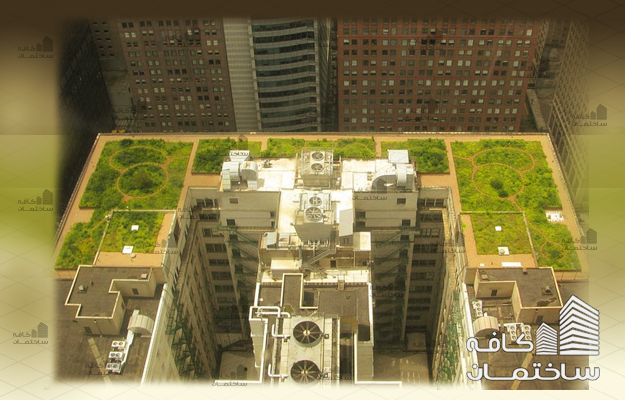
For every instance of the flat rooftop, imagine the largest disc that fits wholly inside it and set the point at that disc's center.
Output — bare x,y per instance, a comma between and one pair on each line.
96,300
280,175
273,175
83,355
530,284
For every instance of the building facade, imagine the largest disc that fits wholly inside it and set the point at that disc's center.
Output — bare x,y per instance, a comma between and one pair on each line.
439,74
570,102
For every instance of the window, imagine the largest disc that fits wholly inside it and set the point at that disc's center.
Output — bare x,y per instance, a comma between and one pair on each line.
230,222
234,200
217,262
401,200
135,291
221,276
224,288
215,247
493,293
421,289
88,330
405,222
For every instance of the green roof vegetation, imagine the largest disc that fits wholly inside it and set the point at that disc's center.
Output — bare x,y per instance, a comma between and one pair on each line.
120,233
346,148
211,152
131,174
513,175
513,234
430,155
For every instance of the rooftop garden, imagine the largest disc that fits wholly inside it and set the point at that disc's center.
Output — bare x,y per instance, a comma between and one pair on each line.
211,152
513,175
513,233
345,148
145,174
430,155
120,233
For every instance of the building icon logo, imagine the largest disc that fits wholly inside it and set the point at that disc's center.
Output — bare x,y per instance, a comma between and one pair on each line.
601,113
546,341
47,197
579,331
41,331
47,44
591,236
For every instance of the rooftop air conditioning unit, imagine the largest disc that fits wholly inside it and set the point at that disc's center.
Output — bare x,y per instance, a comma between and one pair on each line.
305,371
307,333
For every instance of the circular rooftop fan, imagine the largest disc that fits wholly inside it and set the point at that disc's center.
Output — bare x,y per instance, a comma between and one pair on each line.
307,332
316,167
305,371
315,200
314,213
318,155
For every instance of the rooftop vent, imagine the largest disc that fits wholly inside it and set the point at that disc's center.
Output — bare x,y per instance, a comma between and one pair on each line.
546,290
315,201
305,371
82,289
307,333
314,213
318,156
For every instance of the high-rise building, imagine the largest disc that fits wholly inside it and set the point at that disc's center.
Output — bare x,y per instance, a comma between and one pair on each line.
177,71
85,107
280,75
218,74
570,101
434,74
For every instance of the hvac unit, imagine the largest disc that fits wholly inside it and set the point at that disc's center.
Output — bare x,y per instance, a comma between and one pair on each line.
305,371
307,333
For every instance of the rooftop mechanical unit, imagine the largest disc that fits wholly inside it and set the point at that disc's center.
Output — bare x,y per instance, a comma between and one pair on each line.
316,167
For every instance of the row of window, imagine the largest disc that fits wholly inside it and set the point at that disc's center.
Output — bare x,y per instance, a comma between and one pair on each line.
432,42
433,21
438,92
429,82
391,92
188,22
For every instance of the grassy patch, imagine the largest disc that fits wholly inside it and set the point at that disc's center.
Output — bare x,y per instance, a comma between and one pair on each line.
513,233
168,197
363,149
102,194
514,158
345,148
137,155
283,147
119,233
211,152
539,191
430,154
81,244
498,180
142,180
